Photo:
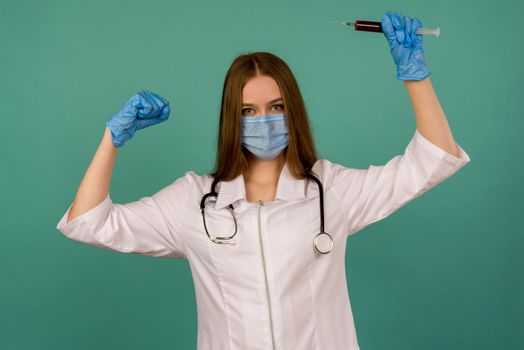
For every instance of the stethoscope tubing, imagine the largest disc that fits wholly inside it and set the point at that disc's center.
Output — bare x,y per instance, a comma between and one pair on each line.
316,241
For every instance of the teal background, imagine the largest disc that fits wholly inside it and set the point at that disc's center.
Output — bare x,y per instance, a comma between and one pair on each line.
443,272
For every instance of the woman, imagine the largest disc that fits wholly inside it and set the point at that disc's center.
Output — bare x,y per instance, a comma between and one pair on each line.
264,277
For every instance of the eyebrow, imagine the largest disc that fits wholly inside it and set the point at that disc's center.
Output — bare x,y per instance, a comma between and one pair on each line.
272,101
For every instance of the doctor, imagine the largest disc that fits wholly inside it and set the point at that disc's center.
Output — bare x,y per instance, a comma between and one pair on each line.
248,228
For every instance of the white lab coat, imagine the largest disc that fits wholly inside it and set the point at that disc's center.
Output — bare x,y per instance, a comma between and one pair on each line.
271,286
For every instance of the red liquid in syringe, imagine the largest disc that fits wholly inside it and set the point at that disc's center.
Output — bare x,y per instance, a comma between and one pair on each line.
368,26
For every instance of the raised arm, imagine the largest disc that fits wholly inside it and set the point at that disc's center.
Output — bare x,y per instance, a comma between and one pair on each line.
148,226
406,47
431,156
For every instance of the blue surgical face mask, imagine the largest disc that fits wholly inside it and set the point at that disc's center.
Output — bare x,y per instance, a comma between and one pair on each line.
265,136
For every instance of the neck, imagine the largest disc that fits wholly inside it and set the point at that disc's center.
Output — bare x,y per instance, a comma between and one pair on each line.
264,172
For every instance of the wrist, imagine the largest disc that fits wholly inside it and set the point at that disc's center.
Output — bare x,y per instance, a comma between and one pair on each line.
411,73
107,140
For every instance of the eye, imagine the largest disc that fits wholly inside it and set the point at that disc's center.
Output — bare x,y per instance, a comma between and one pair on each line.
244,110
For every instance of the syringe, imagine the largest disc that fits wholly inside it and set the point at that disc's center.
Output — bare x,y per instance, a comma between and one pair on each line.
371,26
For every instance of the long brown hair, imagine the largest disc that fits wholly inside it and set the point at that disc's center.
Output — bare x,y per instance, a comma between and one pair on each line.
300,152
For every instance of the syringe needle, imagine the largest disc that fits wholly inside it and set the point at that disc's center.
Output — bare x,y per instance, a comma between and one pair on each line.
344,23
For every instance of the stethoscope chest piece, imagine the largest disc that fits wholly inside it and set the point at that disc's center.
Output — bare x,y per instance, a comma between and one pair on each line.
323,243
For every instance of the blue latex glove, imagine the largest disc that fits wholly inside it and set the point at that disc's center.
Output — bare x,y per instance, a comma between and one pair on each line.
405,45
143,109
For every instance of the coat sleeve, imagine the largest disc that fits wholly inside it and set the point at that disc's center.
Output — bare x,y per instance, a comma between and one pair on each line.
149,226
369,195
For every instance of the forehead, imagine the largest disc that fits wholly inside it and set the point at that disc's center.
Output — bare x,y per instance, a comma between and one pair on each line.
260,88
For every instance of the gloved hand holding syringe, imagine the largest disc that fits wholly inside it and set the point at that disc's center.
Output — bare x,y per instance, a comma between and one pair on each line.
404,38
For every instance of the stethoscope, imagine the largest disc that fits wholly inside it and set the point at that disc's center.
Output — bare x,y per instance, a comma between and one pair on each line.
322,242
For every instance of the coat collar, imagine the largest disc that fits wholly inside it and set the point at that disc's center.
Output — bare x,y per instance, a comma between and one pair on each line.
288,188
